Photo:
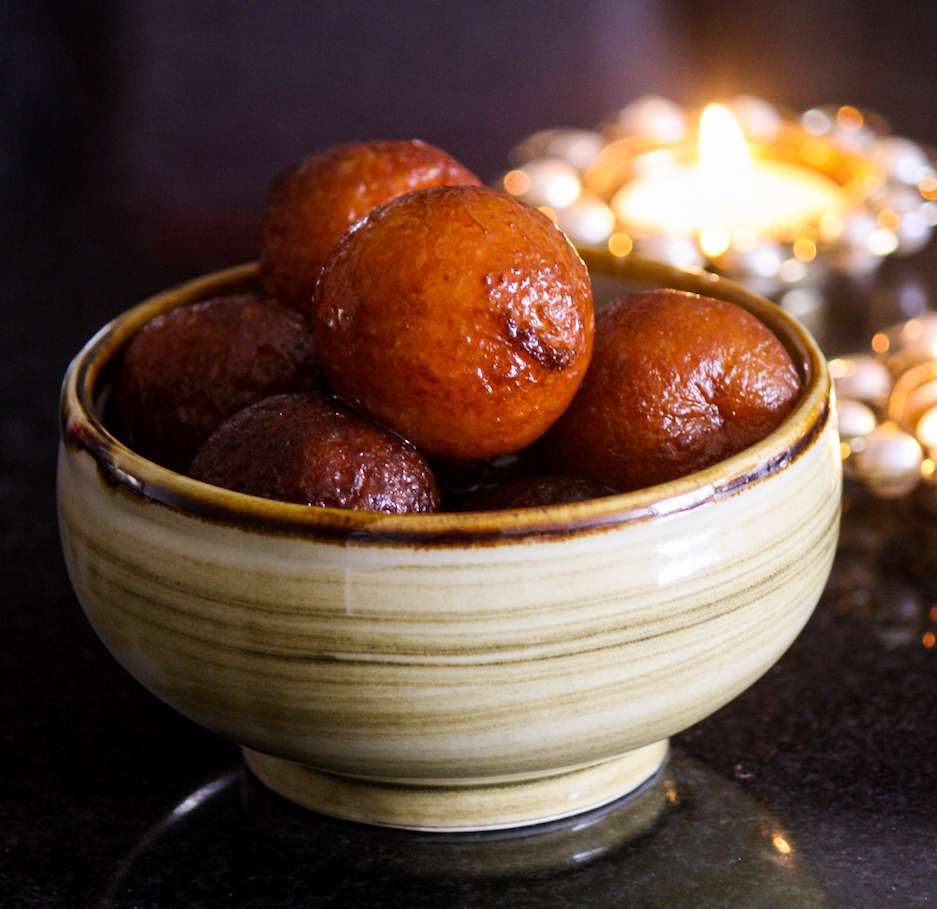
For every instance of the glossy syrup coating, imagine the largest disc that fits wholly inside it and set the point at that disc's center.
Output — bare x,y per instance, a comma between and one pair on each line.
677,382
314,450
312,203
191,368
457,316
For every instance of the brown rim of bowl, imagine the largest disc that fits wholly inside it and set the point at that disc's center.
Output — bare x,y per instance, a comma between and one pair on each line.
124,470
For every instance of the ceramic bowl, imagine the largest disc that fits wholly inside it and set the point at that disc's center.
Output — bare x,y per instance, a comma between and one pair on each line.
451,671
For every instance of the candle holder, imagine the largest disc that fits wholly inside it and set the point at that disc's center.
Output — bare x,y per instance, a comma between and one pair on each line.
881,201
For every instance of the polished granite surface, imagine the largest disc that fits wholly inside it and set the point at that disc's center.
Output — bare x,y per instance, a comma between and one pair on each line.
816,787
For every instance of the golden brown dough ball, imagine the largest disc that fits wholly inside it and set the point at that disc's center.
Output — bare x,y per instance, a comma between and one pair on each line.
314,450
677,383
311,204
457,316
191,368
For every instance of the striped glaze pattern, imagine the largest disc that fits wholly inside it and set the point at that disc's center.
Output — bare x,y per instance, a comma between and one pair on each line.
500,665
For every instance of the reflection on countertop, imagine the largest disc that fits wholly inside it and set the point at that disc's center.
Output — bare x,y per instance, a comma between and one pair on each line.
688,838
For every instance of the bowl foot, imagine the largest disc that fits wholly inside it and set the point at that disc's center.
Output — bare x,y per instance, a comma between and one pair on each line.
491,804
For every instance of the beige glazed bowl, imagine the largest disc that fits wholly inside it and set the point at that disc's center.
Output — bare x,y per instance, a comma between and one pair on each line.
451,671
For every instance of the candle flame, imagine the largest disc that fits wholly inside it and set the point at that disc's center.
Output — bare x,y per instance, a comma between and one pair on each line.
725,171
728,197
722,149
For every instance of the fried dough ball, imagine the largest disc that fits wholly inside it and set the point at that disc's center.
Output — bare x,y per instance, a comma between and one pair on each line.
191,368
311,204
535,492
459,480
677,383
313,450
457,316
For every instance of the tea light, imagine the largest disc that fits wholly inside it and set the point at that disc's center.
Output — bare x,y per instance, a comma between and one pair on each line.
725,190
782,201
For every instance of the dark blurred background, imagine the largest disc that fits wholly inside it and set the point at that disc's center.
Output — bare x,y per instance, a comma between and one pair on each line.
138,137
154,127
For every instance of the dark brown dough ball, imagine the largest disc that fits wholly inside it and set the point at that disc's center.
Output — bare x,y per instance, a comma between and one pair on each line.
457,316
535,492
312,203
191,368
677,383
314,450
459,480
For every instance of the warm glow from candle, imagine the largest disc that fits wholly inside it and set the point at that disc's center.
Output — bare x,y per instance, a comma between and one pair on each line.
722,149
726,191
725,169
781,844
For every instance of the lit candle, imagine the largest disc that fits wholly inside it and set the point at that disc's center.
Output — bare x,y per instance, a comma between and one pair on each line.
726,190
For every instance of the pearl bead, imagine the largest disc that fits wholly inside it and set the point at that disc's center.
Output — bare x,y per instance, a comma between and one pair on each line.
757,118
552,182
861,377
817,121
911,343
588,221
851,127
674,250
763,260
655,118
889,462
926,429
907,215
914,232
855,251
854,419
901,159
578,146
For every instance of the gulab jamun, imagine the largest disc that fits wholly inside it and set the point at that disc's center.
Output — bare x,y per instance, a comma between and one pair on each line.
677,382
191,368
536,491
312,203
457,316
314,450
